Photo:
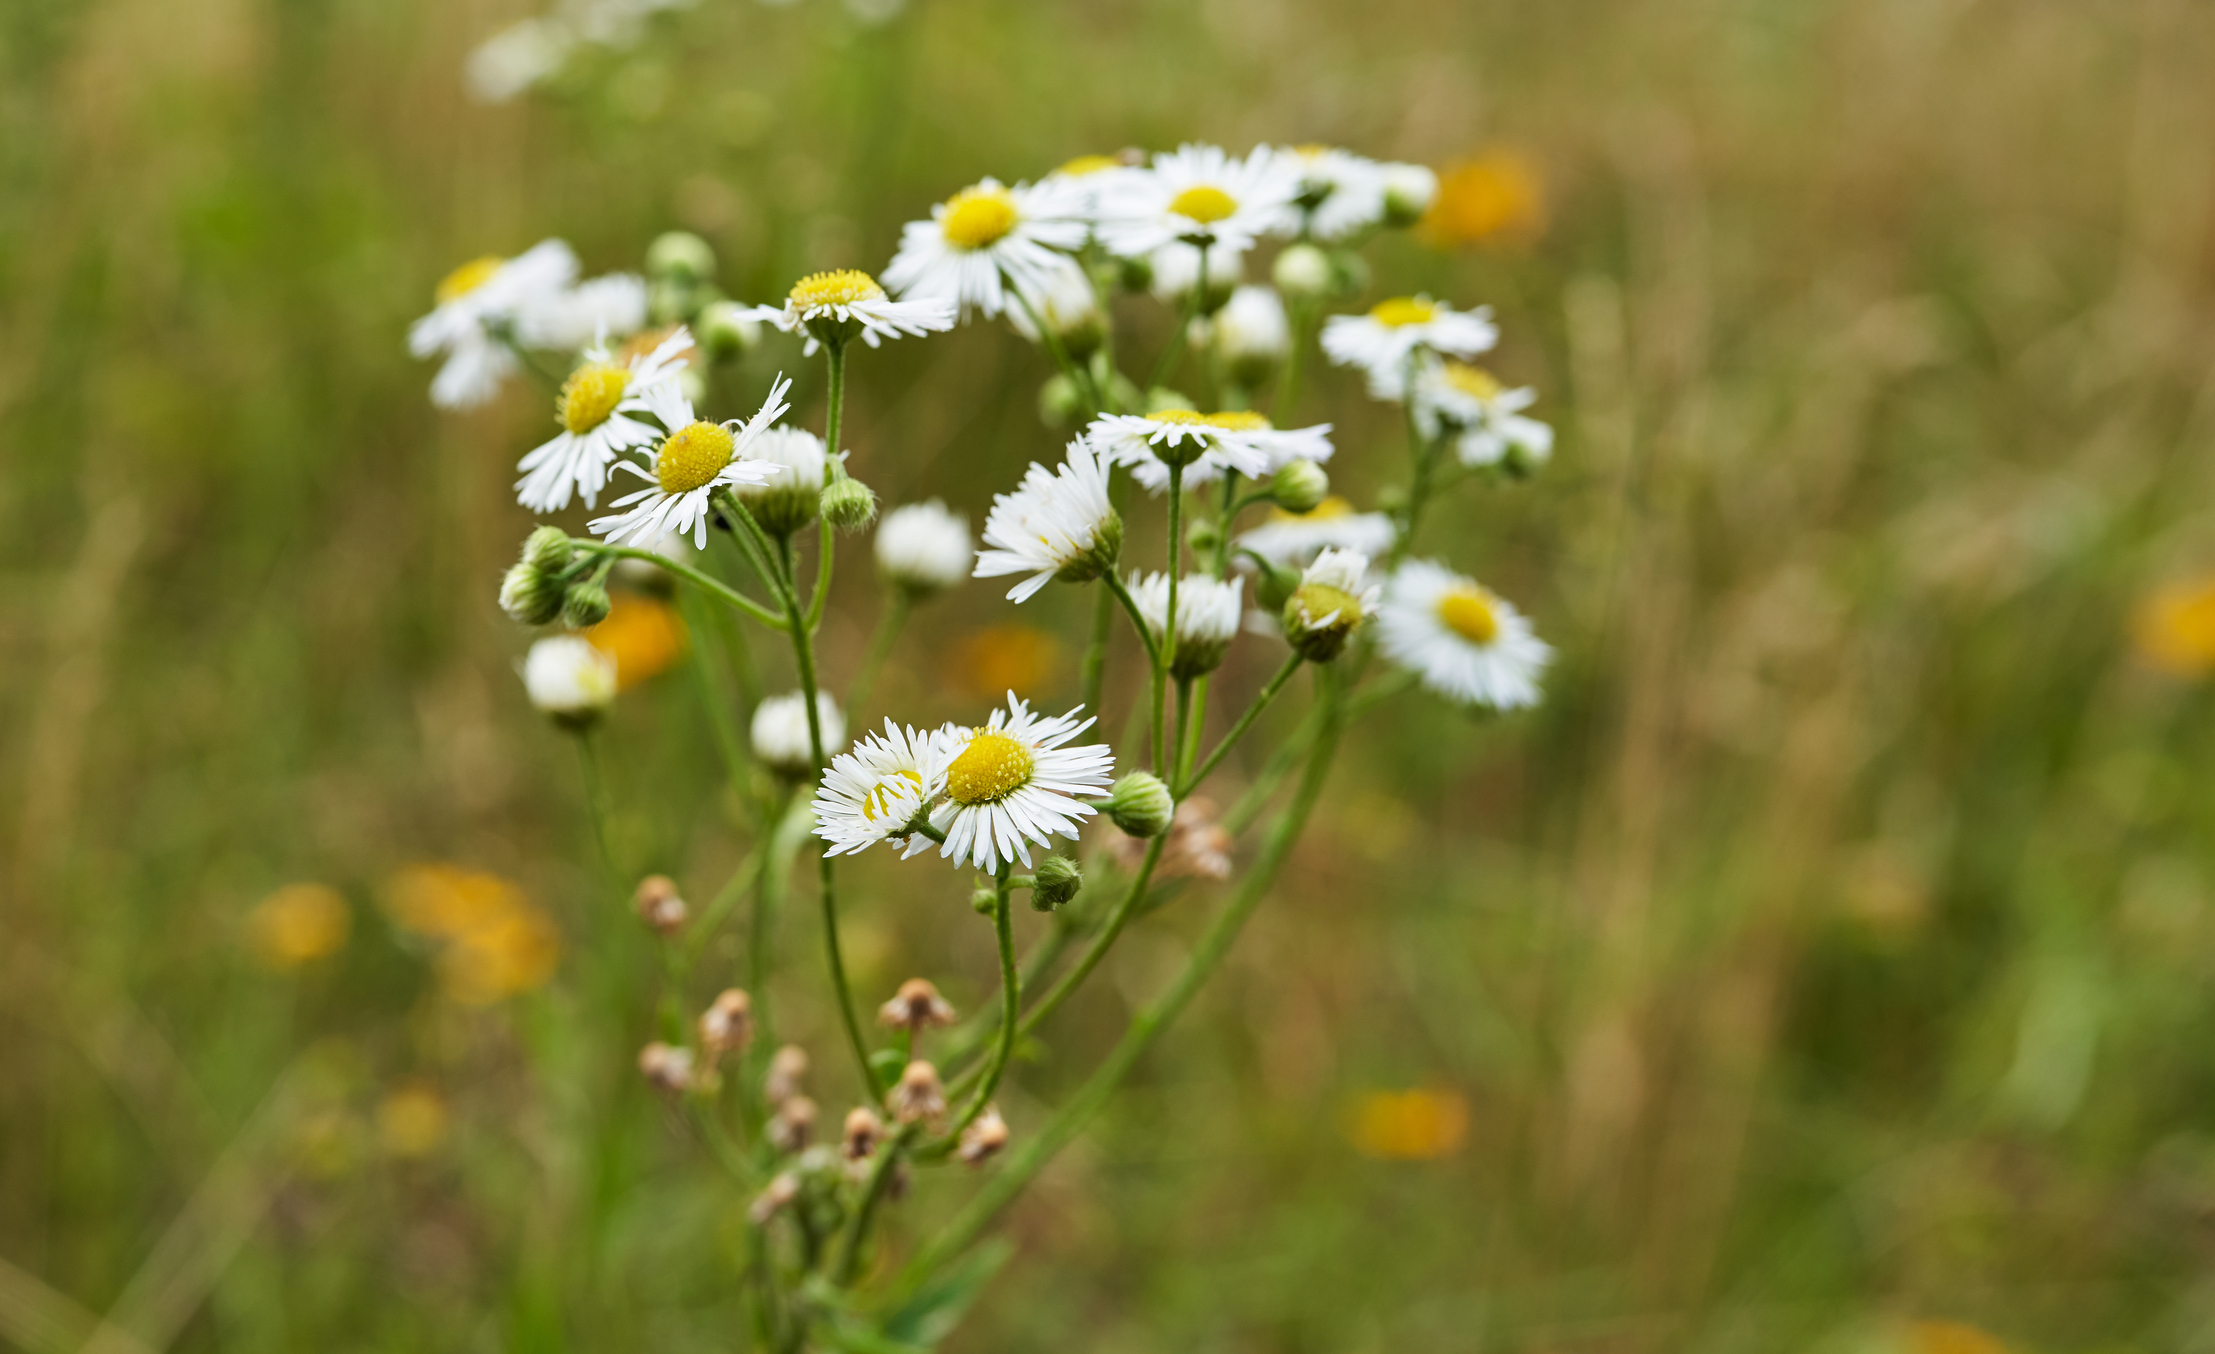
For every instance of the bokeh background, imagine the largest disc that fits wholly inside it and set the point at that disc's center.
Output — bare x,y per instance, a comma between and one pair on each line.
1826,966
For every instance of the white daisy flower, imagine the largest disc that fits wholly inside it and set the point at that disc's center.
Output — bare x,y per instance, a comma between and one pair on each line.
566,677
780,731
1200,195
683,473
1289,538
1057,522
1176,270
591,312
873,792
1251,333
1408,191
475,302
594,410
1341,194
1461,639
787,498
1384,341
842,305
923,547
1067,303
1485,417
1012,783
1208,611
1206,444
1085,179
984,237
518,57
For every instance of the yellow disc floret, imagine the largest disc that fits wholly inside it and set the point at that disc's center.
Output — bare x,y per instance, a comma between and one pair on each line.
977,217
694,455
841,287
1177,416
1404,310
1475,382
879,800
468,278
990,769
1237,421
1468,613
1088,164
1329,509
590,395
1204,204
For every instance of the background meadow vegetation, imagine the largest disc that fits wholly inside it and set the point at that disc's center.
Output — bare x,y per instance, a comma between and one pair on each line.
1829,964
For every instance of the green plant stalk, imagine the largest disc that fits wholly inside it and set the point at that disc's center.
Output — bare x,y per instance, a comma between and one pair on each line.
1188,738
1079,377
730,596
727,743
1166,656
1138,620
1125,909
1288,384
1167,366
1011,1004
596,802
1261,701
1095,654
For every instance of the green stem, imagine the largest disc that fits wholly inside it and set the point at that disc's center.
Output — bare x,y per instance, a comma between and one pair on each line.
1138,618
1125,909
1095,654
1288,385
719,716
881,1172
1079,377
1170,355
596,801
1167,656
880,647
1184,731
1011,999
1188,740
735,599
1237,731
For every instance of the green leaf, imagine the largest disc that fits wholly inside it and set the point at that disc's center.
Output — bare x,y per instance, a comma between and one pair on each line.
931,1315
887,1064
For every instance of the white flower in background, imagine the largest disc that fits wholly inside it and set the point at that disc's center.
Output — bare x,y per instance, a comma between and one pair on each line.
1386,340
1176,268
985,237
873,792
1200,195
1065,300
1013,783
1333,598
594,410
923,547
1341,194
474,301
847,304
780,731
1085,179
1460,639
593,311
518,57
1408,190
1207,444
1293,537
683,474
787,498
1484,416
1056,522
566,677
1251,333
1208,611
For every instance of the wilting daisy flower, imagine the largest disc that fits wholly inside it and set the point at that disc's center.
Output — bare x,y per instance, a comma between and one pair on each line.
1341,194
984,234
475,302
683,473
1251,334
1460,639
873,792
1056,523
1205,444
1176,269
1012,783
1294,537
1208,611
594,411
593,311
786,499
780,731
1385,340
566,677
922,547
839,306
1199,195
1485,417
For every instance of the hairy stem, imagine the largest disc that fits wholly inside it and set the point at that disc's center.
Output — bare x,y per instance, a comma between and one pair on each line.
1237,731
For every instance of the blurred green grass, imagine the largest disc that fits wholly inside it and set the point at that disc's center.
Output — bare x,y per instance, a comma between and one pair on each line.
1831,953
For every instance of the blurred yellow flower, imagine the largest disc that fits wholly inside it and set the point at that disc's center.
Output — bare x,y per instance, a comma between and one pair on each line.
298,924
998,659
2175,628
412,1122
1493,195
644,635
1415,1125
493,943
1950,1337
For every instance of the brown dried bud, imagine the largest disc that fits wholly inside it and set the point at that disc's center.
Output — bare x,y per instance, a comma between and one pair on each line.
665,1066
864,1130
986,1136
727,1026
791,1125
781,1192
658,905
919,1096
914,1007
787,1066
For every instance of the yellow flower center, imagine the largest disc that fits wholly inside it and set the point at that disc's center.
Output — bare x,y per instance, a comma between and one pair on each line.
841,287
976,217
991,768
1308,150
1327,510
1475,382
1237,421
1088,164
468,278
1404,310
1204,204
1468,613
590,395
1177,416
693,455
878,801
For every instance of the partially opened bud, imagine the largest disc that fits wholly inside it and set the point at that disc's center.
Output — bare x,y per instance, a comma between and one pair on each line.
919,1097
1330,601
915,1008
1299,486
848,504
682,255
1303,270
658,905
984,1137
1141,805
1058,880
864,1130
665,1066
727,1026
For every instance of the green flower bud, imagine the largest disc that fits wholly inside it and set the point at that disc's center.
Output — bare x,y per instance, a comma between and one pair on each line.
1298,486
1204,536
1107,547
548,550
670,300
726,329
1059,402
585,606
1057,881
529,595
680,255
1303,270
1162,397
848,504
1318,620
984,902
1141,805
1273,583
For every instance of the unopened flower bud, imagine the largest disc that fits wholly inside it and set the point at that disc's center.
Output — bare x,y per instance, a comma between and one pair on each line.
919,1097
984,1137
864,1130
1204,535
666,1066
787,1066
1299,486
548,550
586,605
1303,270
780,1194
726,329
682,255
529,595
790,1126
1060,403
728,1024
984,902
1058,880
657,904
1408,190
1141,805
569,680
848,504
915,1007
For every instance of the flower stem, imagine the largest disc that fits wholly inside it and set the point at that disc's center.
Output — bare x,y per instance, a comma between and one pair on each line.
1095,654
596,799
1237,731
1011,1000
1166,657
857,1228
737,600
1125,909
1138,618
1077,375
